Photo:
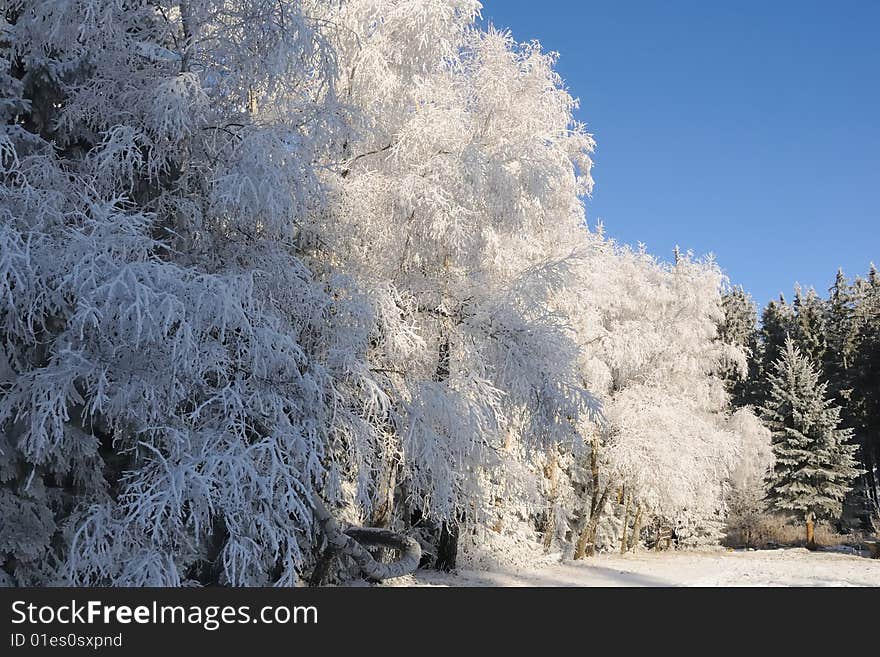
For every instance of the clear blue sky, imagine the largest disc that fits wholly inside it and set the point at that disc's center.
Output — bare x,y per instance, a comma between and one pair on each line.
747,129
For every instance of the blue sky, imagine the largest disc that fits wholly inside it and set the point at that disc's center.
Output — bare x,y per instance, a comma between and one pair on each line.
747,129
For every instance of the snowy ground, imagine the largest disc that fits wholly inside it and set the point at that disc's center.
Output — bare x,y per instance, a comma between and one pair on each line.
785,567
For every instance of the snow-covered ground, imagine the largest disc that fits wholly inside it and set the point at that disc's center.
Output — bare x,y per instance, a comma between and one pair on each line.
784,567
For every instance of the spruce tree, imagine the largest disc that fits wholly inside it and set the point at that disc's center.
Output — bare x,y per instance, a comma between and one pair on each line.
840,337
815,462
840,369
809,324
738,329
777,323
865,396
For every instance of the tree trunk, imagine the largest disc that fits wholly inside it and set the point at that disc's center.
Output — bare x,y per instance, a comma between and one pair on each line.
499,521
549,529
447,550
811,539
594,472
384,511
447,547
551,473
586,544
321,573
625,524
637,529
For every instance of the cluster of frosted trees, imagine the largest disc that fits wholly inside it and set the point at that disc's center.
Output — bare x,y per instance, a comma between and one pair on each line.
273,268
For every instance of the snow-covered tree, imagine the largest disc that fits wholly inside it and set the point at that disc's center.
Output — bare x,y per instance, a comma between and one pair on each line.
864,400
814,465
748,479
650,352
183,380
809,331
459,204
739,329
777,323
840,337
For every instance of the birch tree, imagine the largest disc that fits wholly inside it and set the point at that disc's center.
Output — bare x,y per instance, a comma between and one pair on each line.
464,174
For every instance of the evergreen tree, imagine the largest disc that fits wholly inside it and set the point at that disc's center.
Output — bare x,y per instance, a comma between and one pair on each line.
815,462
839,337
777,323
866,301
865,396
738,329
809,324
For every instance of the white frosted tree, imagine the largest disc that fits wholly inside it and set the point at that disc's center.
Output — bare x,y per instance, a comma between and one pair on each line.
184,378
746,502
650,352
460,183
815,465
